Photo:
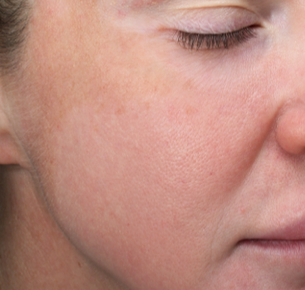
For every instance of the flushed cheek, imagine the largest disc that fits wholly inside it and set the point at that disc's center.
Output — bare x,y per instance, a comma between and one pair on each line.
144,183
139,184
136,169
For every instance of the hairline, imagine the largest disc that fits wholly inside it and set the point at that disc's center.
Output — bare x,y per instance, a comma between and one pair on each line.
14,19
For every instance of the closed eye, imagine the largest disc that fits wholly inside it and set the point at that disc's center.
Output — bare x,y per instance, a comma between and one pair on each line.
227,40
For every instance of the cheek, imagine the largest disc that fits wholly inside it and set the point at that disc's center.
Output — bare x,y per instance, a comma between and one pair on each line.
138,175
138,167
139,181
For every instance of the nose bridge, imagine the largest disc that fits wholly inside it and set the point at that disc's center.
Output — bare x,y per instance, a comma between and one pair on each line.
290,130
293,44
288,59
292,78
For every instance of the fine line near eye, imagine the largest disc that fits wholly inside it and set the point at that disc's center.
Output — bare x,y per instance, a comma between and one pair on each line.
197,41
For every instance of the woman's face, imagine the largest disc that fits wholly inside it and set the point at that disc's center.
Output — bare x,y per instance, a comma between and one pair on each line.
170,167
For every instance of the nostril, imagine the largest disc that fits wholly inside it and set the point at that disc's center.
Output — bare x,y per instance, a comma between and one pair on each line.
290,132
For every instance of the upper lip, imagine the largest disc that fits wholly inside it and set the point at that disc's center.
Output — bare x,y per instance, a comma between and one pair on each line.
291,232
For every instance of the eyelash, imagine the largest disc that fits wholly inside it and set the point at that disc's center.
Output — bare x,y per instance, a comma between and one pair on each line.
197,41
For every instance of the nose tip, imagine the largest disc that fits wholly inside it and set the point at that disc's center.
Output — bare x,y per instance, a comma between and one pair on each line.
290,130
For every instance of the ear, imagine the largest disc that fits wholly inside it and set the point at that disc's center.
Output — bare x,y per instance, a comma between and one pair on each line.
10,152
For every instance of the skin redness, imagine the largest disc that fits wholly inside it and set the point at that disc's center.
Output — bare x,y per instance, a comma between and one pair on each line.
163,145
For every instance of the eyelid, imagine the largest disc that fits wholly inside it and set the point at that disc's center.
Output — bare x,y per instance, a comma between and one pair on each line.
199,4
212,20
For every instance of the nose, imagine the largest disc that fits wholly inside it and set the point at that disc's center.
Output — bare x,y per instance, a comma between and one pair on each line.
290,132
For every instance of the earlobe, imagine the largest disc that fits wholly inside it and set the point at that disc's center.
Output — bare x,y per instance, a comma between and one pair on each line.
9,149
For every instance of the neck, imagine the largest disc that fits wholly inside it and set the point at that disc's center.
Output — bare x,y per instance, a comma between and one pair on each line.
34,253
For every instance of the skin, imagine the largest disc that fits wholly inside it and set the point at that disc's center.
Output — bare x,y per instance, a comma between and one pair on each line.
130,162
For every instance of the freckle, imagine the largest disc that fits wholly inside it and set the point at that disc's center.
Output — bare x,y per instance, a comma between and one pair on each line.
242,210
147,106
100,107
190,110
79,264
121,13
120,111
188,85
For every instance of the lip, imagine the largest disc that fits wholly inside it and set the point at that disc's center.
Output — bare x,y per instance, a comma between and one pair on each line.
278,251
284,255
289,239
279,260
294,231
284,246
